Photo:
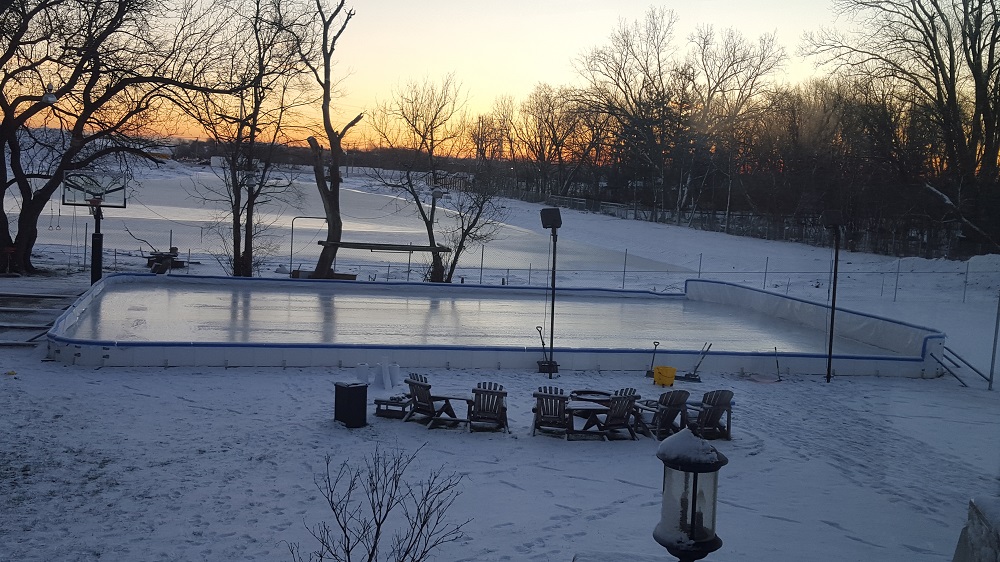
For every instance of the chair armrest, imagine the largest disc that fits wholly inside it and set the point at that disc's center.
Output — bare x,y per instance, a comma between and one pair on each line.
449,398
645,408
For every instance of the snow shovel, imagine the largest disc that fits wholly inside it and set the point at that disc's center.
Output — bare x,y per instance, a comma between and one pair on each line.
693,375
649,373
545,354
547,365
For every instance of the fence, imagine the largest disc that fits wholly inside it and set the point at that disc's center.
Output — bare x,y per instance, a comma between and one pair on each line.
509,262
899,236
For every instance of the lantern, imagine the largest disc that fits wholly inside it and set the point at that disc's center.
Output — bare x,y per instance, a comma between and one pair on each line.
690,486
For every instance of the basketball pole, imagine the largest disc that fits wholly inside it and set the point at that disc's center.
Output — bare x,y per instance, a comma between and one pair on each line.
96,243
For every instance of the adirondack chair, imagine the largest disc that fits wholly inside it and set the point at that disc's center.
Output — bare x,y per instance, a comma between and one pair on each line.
665,412
489,405
638,424
707,423
434,408
550,410
621,409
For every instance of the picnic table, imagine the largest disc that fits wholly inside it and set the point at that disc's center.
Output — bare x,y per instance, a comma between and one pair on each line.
161,262
585,409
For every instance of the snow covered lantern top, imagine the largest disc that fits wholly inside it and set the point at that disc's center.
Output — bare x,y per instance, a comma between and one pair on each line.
690,486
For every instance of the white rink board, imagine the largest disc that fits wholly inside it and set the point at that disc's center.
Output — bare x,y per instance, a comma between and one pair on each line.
148,320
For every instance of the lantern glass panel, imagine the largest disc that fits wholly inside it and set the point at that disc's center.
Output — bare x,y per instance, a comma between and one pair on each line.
676,495
688,509
704,518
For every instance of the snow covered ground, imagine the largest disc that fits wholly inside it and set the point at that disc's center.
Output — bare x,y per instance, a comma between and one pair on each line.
210,464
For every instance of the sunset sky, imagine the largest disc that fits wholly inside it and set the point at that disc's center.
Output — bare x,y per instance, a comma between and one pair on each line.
505,48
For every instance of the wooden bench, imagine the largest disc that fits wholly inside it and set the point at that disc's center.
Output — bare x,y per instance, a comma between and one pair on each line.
391,408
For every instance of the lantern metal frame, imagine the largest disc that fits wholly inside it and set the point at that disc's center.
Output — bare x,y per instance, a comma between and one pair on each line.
690,492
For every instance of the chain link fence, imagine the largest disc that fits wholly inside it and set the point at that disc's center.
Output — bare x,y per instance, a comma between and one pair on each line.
130,237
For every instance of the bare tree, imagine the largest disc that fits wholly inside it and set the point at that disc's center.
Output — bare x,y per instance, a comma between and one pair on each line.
942,53
631,79
83,82
370,503
546,120
248,127
425,125
589,147
317,42
731,87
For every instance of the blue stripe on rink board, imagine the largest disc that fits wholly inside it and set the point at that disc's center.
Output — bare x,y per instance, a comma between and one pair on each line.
142,311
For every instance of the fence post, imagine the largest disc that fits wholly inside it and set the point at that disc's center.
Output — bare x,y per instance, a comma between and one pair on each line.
529,274
624,268
895,290
482,259
767,260
699,265
965,285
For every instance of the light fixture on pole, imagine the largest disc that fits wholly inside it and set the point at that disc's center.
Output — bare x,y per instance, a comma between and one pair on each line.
690,489
49,97
832,220
551,219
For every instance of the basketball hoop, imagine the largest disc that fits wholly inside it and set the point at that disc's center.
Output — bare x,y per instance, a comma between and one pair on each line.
95,205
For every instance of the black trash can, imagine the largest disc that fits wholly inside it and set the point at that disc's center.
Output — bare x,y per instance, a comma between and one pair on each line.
350,403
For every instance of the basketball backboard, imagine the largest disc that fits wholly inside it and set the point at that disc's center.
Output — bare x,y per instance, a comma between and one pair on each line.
83,188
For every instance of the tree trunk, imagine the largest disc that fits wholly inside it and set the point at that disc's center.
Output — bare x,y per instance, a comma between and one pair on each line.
329,192
27,234
437,268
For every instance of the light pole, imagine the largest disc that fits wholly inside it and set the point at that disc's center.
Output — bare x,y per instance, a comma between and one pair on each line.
833,220
996,334
551,219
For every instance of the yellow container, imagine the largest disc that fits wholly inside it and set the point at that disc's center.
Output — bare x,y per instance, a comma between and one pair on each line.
664,376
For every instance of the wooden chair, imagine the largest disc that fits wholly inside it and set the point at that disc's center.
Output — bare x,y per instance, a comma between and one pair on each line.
707,424
489,405
669,413
638,424
550,410
422,402
621,409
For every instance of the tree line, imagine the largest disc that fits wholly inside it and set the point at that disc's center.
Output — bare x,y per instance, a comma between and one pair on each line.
95,87
903,126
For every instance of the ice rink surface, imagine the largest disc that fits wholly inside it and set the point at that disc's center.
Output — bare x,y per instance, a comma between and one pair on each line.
351,313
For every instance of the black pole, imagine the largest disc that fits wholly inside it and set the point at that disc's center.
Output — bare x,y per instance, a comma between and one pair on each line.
552,315
833,301
96,248
551,219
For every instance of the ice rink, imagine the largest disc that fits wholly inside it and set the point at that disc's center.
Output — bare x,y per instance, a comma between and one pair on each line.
352,313
141,319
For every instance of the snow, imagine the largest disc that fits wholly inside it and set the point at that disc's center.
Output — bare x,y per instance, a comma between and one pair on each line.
210,463
686,447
